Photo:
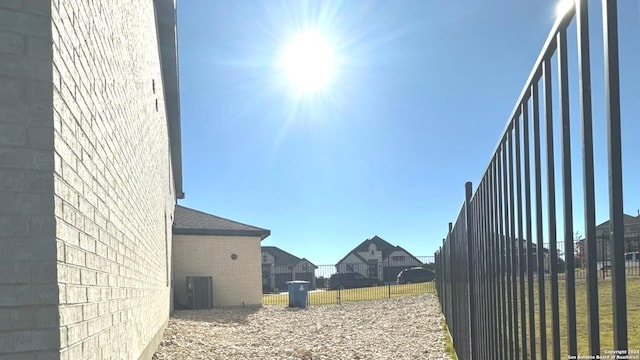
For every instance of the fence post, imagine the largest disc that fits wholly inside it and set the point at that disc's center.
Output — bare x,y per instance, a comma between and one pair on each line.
470,267
614,150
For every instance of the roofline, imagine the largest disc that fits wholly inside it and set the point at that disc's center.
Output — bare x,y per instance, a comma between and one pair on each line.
410,254
166,25
628,220
218,232
223,218
262,248
353,251
307,260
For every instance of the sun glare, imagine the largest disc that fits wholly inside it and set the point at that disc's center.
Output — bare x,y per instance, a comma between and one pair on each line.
563,7
308,62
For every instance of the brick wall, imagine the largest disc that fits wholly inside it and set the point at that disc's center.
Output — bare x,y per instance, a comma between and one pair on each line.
86,191
113,187
234,281
28,290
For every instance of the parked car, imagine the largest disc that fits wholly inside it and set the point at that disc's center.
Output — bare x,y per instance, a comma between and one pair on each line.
350,280
631,259
415,275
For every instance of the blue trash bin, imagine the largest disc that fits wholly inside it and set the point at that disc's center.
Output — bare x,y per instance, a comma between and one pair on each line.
298,291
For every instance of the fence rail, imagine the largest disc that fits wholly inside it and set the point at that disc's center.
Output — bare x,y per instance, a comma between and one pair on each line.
501,295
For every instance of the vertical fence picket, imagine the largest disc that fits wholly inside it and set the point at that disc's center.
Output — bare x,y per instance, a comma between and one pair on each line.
614,150
500,255
512,248
567,200
529,227
488,322
551,210
495,265
521,262
584,69
506,249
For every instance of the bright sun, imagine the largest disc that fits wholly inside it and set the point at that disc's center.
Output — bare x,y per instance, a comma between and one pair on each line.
308,62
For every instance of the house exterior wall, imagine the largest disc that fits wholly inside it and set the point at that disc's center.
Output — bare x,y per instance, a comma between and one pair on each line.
395,263
113,184
29,326
275,276
352,264
372,254
387,269
267,258
85,181
407,259
235,282
603,245
300,268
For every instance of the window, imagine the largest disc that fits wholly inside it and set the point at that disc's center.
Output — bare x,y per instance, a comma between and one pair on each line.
264,258
373,252
373,270
398,258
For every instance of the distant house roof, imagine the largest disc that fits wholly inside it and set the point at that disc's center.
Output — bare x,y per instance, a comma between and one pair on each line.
381,245
281,257
193,222
627,220
533,248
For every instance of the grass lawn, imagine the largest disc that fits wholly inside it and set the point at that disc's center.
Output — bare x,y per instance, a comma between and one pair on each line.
332,297
448,343
606,317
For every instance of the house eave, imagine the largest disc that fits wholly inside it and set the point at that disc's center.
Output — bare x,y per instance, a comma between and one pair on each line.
220,232
166,21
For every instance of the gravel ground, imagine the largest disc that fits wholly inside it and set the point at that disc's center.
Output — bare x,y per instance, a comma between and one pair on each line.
403,328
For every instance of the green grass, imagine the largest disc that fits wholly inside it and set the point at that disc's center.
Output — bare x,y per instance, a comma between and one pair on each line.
448,343
332,297
606,315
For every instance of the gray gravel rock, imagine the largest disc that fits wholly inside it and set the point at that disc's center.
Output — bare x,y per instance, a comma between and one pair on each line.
402,328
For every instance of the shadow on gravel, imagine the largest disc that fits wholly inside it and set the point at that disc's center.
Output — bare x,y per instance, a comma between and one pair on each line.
218,316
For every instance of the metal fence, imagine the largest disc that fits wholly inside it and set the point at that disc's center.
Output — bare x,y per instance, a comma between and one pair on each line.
500,294
376,280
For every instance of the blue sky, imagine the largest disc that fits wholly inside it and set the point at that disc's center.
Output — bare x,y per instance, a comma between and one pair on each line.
421,93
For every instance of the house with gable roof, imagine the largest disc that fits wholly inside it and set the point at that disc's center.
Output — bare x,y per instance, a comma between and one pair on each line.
279,266
226,250
631,238
377,258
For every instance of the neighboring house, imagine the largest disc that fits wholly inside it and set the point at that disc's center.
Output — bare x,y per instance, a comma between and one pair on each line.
90,169
533,250
226,250
278,267
631,237
378,259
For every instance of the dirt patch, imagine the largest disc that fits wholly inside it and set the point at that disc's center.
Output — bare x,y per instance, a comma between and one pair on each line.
403,328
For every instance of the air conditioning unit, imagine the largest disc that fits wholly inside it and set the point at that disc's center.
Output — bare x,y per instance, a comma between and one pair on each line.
200,292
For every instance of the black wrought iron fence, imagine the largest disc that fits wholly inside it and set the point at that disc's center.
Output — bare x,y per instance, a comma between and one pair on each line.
513,280
349,282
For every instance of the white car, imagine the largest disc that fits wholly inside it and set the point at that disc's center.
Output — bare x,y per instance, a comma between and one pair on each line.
632,259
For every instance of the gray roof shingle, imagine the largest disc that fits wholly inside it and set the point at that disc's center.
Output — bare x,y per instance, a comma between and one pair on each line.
193,222
626,220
